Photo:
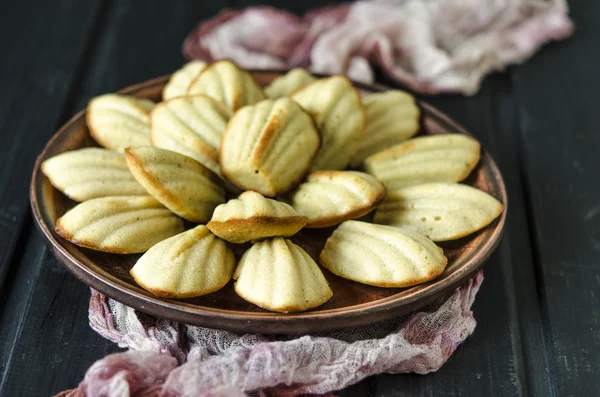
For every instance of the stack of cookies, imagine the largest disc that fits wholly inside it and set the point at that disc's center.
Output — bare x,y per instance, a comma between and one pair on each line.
223,161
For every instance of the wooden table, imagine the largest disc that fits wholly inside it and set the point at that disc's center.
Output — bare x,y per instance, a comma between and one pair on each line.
538,310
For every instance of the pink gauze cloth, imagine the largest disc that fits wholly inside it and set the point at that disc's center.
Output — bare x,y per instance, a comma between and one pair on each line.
430,46
170,359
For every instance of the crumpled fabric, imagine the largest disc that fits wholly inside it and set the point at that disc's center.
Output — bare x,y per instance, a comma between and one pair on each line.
429,46
167,359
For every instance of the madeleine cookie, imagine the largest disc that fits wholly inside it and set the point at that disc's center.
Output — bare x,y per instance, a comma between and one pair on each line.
89,173
190,125
252,217
180,80
119,121
192,263
435,158
180,183
280,276
289,83
330,197
440,211
120,225
268,147
336,107
227,83
383,256
392,117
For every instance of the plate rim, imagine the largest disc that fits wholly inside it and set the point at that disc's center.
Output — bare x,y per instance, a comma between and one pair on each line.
242,321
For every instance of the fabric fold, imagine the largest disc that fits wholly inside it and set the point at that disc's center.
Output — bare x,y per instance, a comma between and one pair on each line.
430,46
166,358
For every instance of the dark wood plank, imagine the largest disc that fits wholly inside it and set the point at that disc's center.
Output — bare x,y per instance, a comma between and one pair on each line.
38,68
296,7
360,389
505,355
141,41
36,73
45,327
52,345
557,93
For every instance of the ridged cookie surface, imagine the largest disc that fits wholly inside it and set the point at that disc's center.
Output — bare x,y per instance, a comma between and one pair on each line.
337,109
440,211
118,121
227,83
392,117
289,83
328,198
180,81
434,158
383,256
268,147
278,275
252,217
180,183
120,225
89,173
192,263
191,125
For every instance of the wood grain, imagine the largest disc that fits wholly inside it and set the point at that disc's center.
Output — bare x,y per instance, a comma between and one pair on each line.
296,7
556,95
124,42
52,344
36,77
33,98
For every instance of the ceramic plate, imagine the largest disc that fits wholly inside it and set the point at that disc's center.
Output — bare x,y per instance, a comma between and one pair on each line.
352,304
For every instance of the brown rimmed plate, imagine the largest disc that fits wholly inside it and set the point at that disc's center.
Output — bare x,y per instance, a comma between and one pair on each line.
352,303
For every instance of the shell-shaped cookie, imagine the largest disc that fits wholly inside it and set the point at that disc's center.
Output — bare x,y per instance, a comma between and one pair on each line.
384,256
191,125
278,275
180,183
227,83
268,147
436,158
180,81
440,211
120,225
336,107
392,117
252,217
192,263
330,197
289,83
89,173
119,121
